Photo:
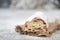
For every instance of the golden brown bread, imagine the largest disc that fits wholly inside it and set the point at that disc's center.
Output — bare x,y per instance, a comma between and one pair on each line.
37,27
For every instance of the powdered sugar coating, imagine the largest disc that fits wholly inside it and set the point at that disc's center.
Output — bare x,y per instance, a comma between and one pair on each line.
40,15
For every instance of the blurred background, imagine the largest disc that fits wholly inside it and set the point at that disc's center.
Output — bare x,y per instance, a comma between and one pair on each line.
30,4
23,9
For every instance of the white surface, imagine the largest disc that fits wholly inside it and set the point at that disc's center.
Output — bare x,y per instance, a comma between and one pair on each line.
10,18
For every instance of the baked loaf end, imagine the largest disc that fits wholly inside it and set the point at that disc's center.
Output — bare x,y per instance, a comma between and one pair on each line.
36,25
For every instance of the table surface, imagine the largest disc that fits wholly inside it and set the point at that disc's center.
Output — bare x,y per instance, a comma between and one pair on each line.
10,18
